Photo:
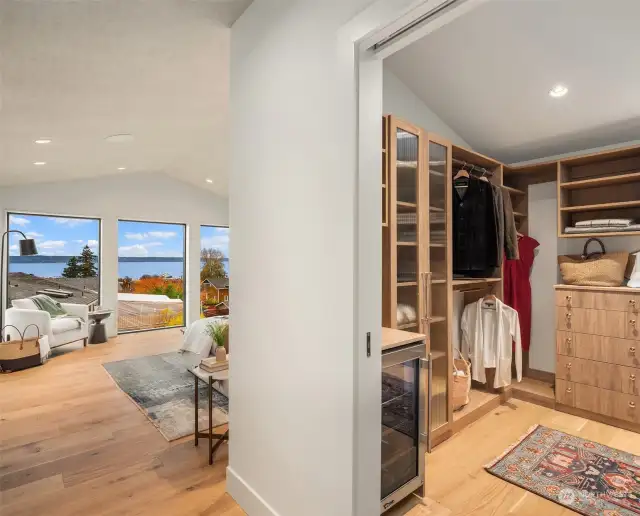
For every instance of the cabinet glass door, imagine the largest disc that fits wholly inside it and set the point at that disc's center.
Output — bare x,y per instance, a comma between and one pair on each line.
400,425
407,228
438,290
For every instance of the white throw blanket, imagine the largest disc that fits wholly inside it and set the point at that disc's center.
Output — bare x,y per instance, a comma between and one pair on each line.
195,338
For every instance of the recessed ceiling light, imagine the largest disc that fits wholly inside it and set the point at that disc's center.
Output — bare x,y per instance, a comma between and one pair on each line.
119,138
43,140
39,163
209,180
122,168
559,90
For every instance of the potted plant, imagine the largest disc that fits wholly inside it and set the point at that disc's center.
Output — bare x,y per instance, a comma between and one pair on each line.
218,333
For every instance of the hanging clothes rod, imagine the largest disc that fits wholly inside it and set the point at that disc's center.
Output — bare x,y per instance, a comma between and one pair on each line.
474,168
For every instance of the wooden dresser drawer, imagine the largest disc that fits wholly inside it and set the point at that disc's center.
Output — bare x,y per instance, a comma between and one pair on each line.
602,349
598,374
564,392
565,343
595,300
609,403
596,322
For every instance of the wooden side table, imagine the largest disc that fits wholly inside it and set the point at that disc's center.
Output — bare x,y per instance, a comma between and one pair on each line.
208,379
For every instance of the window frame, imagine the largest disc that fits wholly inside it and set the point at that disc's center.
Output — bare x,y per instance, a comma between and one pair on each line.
184,275
9,213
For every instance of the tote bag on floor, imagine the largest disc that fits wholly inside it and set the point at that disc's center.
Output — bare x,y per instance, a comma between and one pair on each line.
18,354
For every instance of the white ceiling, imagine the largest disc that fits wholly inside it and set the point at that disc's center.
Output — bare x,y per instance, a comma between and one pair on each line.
78,71
487,75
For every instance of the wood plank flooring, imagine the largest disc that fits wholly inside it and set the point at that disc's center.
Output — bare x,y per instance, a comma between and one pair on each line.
71,443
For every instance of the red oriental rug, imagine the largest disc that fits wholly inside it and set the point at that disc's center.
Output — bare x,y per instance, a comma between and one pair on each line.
587,477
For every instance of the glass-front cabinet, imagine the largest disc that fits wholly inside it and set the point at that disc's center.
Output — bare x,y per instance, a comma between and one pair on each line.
417,272
438,158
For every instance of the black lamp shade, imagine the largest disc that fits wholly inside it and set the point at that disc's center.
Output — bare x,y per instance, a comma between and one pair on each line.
28,247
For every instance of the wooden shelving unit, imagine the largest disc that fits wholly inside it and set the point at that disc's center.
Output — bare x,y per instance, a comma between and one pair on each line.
473,282
600,207
630,177
586,182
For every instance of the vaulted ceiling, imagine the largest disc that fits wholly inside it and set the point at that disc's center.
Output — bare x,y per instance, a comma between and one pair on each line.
80,71
487,75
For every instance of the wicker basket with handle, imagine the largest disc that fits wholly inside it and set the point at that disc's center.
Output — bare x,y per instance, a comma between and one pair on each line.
599,269
461,382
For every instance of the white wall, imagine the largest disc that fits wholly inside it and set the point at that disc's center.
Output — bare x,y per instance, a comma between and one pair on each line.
144,196
542,227
399,100
296,395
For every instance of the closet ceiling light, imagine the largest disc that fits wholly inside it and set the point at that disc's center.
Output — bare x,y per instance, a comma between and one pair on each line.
39,163
559,90
43,140
122,168
209,180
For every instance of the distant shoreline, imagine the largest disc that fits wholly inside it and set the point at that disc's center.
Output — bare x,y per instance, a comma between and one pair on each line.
122,259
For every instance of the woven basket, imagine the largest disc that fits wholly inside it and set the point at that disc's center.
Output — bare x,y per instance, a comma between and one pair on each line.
461,382
594,269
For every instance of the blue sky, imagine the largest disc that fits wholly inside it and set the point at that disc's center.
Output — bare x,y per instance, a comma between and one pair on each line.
67,236
215,237
150,239
55,235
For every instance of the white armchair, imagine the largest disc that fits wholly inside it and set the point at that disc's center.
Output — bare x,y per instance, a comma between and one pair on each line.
60,331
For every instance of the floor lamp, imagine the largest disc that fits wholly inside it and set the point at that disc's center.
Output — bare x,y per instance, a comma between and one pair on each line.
27,248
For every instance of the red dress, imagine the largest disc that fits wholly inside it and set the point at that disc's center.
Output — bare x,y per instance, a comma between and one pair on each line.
517,288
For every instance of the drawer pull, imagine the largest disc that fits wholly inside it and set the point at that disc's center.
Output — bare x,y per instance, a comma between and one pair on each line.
632,404
632,303
568,366
569,389
632,350
632,377
632,322
568,316
568,343
568,298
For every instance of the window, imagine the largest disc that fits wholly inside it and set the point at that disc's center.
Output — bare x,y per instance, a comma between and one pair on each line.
67,266
214,271
151,275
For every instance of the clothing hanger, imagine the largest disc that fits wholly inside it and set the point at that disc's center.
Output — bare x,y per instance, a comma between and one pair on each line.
483,177
462,172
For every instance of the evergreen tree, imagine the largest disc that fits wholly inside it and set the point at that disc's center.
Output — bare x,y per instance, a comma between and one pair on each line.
72,270
88,261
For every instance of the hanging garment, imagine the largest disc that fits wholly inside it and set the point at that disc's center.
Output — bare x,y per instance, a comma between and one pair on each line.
498,212
475,247
510,230
487,333
517,287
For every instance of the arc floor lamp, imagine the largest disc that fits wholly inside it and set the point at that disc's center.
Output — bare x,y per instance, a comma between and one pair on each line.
27,248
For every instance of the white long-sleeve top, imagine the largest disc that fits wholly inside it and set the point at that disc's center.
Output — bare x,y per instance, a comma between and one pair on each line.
487,334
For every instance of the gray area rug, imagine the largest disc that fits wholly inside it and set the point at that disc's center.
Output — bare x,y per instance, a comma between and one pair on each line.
163,389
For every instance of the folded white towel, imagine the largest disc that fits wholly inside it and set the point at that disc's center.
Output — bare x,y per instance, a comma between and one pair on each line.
604,223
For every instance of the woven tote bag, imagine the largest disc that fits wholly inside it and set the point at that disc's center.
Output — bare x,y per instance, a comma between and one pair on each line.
598,269
15,354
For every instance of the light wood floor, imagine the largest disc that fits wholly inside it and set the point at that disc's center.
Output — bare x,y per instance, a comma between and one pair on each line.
71,443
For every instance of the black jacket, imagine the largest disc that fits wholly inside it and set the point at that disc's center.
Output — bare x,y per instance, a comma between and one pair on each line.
475,246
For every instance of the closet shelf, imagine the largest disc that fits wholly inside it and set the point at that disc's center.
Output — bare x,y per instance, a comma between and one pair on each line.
438,354
598,207
458,283
406,204
407,284
599,235
438,281
436,173
513,191
437,245
437,319
407,243
630,177
407,325
519,215
435,209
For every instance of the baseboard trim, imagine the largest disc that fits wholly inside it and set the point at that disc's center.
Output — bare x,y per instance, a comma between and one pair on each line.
250,501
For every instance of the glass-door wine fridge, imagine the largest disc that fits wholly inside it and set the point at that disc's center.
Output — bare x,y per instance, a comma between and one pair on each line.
405,378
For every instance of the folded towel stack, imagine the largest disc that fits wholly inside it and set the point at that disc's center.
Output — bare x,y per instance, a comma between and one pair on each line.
603,226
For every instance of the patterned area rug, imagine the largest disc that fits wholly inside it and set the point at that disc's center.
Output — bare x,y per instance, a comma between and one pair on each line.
586,477
163,389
